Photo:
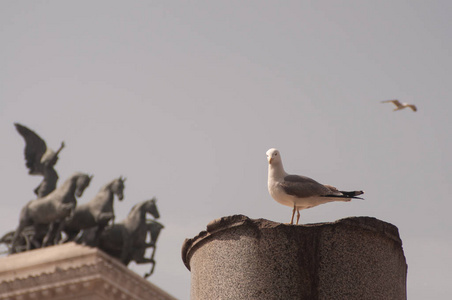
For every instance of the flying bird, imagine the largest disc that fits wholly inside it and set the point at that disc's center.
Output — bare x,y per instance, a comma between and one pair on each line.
40,160
400,106
300,192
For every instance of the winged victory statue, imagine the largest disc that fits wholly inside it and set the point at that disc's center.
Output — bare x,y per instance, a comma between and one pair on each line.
40,160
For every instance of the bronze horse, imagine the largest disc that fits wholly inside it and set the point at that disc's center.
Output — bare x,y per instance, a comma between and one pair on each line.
127,239
96,213
44,213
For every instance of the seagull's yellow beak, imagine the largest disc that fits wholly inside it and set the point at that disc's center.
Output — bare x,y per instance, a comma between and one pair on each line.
270,160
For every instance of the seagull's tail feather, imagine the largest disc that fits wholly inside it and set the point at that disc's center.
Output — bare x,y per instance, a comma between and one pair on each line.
352,195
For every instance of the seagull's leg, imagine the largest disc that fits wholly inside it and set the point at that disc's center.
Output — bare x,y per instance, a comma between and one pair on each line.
293,214
298,215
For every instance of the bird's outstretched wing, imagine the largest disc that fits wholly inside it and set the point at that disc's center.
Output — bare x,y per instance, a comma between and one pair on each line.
396,102
35,147
412,106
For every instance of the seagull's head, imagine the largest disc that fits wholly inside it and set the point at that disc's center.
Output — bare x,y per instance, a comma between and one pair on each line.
273,156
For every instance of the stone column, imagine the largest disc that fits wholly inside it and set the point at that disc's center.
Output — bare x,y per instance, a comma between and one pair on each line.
242,258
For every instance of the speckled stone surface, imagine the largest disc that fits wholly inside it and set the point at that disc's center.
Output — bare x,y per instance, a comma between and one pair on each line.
242,258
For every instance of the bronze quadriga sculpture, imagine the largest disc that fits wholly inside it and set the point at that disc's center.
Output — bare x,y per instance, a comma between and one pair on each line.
55,217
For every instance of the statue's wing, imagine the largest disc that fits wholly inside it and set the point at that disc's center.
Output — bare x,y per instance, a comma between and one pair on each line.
35,147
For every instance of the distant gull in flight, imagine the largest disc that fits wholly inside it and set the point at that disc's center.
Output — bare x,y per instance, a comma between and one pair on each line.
300,192
400,106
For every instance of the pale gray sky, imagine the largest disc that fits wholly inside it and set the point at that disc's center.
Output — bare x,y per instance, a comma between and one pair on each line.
185,97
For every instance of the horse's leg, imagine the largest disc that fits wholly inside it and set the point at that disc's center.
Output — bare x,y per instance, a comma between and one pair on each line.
104,218
139,255
24,220
150,244
48,235
53,235
99,230
74,236
153,264
153,253
37,189
125,253
17,233
84,238
57,237
70,235
126,247
151,271
40,230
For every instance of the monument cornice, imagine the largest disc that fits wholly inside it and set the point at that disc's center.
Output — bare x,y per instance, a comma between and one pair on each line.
71,271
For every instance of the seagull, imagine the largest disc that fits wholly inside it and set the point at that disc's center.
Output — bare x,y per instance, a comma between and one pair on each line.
300,192
401,105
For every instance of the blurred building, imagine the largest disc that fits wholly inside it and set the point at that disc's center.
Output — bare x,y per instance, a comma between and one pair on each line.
71,271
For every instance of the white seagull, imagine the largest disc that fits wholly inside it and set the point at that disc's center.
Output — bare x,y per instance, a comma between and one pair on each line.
400,106
300,192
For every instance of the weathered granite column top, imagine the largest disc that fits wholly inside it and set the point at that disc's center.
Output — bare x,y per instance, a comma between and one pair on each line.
242,258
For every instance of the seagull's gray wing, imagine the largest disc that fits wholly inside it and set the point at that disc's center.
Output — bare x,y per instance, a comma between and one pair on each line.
302,187
35,147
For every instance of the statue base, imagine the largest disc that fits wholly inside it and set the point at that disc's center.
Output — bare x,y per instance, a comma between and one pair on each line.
72,271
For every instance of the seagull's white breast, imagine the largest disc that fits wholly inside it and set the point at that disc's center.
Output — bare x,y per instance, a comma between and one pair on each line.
277,192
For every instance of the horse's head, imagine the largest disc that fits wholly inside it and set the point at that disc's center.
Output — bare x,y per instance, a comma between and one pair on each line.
140,210
149,206
81,183
117,187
